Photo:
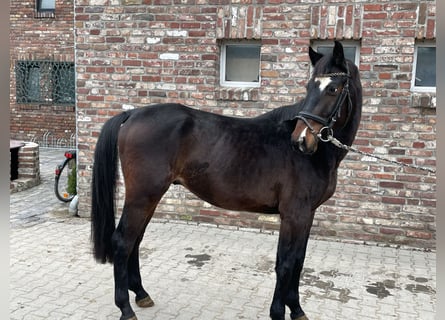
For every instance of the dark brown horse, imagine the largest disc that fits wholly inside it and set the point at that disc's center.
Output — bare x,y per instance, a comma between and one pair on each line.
275,163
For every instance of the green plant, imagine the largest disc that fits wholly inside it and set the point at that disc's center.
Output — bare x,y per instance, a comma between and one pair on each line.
72,181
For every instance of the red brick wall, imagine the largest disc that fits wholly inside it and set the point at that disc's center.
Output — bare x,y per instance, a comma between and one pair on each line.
33,38
142,51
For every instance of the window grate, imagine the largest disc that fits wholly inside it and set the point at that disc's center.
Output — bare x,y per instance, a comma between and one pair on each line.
45,82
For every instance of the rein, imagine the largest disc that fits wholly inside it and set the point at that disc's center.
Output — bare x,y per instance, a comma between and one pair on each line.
330,138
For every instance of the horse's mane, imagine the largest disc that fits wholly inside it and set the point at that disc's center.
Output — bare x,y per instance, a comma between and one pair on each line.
283,113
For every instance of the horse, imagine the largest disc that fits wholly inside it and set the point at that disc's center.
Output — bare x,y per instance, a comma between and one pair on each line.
275,163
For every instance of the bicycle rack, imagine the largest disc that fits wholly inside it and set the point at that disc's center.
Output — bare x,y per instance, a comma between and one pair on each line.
49,140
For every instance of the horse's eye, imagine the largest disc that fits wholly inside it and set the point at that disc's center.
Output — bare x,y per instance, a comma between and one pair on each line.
331,90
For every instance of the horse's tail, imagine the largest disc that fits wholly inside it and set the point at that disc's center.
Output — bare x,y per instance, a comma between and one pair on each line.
103,187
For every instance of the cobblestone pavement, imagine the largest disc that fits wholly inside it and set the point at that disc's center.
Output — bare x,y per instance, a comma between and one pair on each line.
201,271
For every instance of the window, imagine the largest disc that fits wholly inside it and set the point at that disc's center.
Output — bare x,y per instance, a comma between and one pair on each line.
45,5
240,64
351,49
45,82
45,9
424,69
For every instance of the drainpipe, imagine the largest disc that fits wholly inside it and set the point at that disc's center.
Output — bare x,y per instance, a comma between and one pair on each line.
72,209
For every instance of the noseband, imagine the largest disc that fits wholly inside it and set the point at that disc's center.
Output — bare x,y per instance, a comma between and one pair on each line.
329,122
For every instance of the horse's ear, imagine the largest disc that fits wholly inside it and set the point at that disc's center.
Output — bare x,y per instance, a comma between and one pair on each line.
338,54
315,56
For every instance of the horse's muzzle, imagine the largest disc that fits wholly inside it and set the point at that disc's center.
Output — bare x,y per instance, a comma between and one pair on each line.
306,142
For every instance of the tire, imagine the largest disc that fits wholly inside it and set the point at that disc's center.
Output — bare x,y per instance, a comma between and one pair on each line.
61,188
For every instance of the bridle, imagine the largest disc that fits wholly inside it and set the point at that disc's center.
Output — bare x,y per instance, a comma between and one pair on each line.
329,122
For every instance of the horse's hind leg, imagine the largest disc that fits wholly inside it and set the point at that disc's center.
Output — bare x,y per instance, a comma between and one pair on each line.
123,246
142,299
136,214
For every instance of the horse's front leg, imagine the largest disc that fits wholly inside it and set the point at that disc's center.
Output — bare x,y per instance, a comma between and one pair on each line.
294,233
293,296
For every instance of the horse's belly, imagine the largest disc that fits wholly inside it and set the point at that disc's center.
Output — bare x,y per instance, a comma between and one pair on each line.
232,198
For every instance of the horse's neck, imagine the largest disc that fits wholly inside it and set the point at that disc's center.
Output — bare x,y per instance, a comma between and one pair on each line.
345,136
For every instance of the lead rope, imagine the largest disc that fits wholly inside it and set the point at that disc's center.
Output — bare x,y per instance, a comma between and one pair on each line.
330,138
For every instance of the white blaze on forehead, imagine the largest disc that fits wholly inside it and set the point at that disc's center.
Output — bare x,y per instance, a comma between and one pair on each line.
324,82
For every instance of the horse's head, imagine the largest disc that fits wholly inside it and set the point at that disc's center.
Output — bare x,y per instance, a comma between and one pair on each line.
328,105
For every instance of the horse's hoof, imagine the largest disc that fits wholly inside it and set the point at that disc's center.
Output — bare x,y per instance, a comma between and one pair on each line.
133,317
145,302
303,317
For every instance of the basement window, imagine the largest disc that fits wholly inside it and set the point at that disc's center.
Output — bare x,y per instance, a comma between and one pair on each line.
240,64
424,68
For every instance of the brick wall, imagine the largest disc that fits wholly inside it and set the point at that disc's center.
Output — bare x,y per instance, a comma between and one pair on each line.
134,52
40,38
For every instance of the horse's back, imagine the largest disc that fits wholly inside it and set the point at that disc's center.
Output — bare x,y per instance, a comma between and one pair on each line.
155,122
168,135
167,123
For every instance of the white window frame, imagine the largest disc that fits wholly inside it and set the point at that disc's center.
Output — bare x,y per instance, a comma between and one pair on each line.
415,88
345,43
222,70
